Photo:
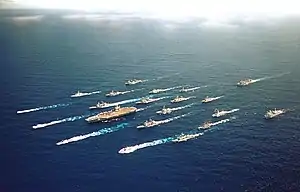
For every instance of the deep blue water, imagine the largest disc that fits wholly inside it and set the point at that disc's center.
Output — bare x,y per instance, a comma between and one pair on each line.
43,63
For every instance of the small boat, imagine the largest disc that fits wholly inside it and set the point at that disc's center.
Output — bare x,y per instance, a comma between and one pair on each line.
245,82
275,112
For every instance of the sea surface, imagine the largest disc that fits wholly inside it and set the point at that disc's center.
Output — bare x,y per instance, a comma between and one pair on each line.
47,59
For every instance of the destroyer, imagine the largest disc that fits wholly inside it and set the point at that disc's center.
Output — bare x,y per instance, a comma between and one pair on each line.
165,111
147,100
113,93
206,125
218,113
185,137
273,113
100,105
178,99
152,123
189,89
134,81
79,94
114,113
154,91
149,123
245,82
210,99
209,124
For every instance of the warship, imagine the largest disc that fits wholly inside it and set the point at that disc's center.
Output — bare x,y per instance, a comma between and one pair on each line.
134,81
273,113
178,99
185,137
114,113
245,82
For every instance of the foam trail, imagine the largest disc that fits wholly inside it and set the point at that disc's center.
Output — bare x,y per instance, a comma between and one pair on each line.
69,119
133,90
134,148
220,122
94,92
160,98
142,109
183,107
125,92
162,77
270,77
137,89
42,108
171,88
177,117
260,79
125,102
93,134
219,97
48,124
27,18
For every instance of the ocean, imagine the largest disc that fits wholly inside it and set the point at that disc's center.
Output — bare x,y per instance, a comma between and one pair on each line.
46,59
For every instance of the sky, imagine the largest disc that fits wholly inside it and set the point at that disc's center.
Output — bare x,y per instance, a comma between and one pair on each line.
171,8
